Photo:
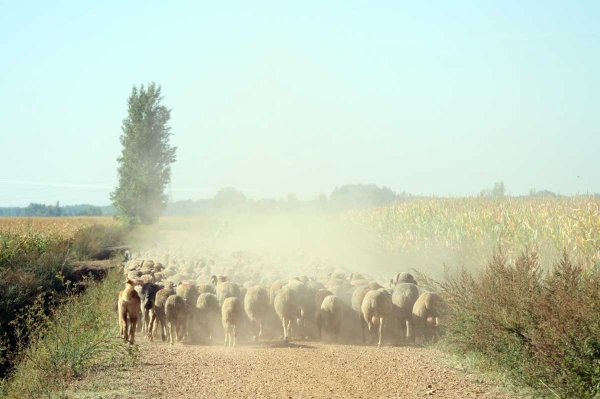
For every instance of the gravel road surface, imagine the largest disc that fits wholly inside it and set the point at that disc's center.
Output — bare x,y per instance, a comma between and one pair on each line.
302,369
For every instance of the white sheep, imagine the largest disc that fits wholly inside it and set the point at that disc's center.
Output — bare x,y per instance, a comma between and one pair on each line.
376,309
231,313
256,305
286,306
331,315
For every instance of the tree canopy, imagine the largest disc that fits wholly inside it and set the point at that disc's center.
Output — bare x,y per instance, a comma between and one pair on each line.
145,162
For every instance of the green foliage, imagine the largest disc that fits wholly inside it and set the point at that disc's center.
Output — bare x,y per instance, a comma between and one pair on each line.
542,328
32,265
51,210
497,192
144,165
78,334
89,241
353,196
542,193
228,197
231,200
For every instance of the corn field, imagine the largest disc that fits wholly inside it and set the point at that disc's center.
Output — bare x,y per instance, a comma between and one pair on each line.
63,228
477,225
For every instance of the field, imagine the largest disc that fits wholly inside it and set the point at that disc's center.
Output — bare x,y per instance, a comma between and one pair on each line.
471,228
50,226
520,277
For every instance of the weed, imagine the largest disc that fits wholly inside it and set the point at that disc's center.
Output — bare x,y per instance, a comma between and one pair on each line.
542,328
78,335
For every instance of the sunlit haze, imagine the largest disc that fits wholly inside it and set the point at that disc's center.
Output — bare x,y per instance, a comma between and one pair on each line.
443,98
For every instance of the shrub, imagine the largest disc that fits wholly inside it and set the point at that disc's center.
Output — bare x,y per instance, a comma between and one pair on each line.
88,241
33,263
78,335
542,328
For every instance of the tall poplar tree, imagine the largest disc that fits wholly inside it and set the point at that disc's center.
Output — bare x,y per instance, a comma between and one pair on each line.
145,162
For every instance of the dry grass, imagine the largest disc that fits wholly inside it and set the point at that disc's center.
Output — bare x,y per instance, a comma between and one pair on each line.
35,257
60,345
50,226
541,327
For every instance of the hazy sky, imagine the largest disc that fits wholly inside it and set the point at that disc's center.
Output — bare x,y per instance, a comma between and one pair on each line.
440,98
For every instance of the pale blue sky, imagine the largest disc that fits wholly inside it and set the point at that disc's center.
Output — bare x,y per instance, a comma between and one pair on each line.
427,97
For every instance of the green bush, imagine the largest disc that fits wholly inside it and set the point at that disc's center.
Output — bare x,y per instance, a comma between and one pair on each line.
90,240
78,335
33,265
543,328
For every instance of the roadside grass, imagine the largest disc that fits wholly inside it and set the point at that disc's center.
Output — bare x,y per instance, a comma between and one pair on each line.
89,241
478,368
538,328
34,262
78,335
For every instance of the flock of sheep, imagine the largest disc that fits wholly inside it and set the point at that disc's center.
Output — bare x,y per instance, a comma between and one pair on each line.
187,300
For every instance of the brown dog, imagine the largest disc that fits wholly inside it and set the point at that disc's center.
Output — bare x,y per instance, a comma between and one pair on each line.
129,305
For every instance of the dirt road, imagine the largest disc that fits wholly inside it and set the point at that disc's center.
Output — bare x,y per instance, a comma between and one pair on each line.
299,370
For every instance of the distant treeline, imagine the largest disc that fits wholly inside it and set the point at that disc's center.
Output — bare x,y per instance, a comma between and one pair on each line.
344,198
41,210
353,196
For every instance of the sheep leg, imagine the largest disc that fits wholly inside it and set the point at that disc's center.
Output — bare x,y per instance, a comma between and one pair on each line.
234,333
171,333
319,327
403,327
145,326
285,330
380,331
289,330
166,334
254,332
410,330
370,331
140,316
202,330
362,327
190,333
183,329
301,325
226,336
151,327
260,329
